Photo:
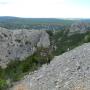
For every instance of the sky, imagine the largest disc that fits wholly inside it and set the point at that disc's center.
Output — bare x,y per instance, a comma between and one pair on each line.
45,8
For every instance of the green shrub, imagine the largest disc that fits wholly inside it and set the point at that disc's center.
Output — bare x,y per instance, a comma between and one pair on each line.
3,84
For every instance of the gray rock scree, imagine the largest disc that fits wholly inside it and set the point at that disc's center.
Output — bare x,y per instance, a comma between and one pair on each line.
69,71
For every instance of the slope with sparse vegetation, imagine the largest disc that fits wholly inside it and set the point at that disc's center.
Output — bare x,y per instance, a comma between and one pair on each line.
17,69
60,41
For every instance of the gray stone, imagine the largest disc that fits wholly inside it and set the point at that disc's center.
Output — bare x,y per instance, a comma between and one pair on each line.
18,44
69,71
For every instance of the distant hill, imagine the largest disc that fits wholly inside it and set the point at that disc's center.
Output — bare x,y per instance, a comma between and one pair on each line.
30,23
33,20
38,23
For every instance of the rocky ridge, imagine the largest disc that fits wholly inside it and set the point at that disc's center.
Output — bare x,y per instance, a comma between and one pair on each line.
18,44
79,27
69,71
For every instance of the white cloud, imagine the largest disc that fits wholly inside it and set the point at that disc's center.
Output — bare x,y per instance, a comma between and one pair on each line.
43,8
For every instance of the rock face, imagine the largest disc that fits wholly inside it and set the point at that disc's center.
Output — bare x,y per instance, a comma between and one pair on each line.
78,27
69,71
18,44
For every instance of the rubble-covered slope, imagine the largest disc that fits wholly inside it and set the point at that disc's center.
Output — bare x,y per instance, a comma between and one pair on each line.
18,44
69,71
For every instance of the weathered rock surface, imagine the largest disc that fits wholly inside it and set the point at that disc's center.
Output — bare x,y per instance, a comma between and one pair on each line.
78,27
18,44
69,71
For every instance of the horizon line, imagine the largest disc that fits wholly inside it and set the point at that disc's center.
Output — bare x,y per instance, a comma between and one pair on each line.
49,17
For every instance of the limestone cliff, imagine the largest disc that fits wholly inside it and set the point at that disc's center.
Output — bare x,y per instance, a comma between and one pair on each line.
18,44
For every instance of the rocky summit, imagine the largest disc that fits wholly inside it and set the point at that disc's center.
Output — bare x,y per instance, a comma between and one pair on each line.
69,71
18,44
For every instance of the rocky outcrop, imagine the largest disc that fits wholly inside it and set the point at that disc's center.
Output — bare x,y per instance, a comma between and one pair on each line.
69,71
18,44
78,27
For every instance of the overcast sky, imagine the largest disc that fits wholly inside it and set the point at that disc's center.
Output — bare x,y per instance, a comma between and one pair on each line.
45,8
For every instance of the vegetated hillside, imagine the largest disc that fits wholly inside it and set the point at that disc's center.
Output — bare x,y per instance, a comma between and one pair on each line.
34,23
69,71
33,20
64,40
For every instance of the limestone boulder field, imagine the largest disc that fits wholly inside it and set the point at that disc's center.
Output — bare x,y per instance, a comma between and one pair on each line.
69,71
18,44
